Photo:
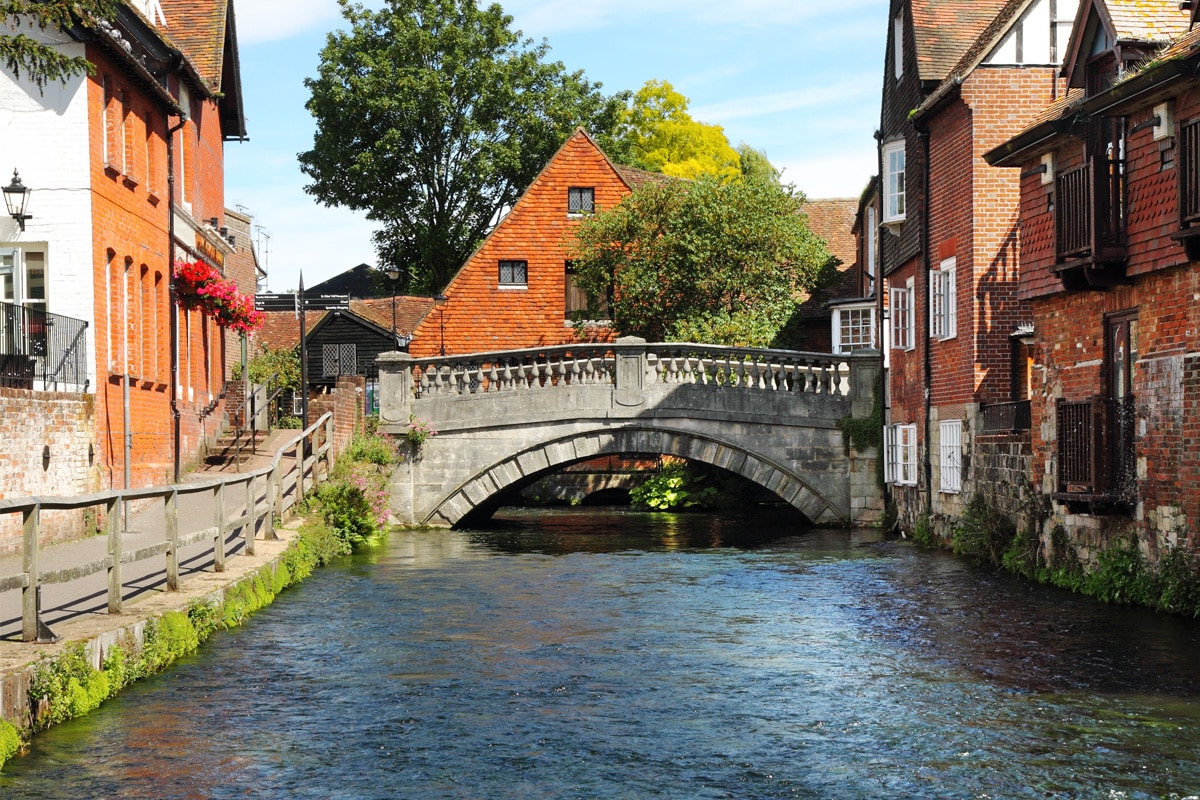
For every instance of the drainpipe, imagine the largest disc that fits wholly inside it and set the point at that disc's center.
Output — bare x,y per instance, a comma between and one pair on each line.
926,295
171,291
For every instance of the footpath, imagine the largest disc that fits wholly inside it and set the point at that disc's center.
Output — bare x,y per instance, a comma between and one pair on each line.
77,611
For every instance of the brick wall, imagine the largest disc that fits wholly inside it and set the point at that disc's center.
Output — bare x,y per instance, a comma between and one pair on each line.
347,404
480,315
30,422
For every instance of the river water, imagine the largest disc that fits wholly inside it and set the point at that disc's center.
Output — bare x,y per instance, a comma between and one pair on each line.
573,654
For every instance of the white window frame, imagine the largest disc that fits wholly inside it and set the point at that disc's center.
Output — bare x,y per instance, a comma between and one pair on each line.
894,160
901,301
898,45
872,243
839,344
943,308
900,454
950,447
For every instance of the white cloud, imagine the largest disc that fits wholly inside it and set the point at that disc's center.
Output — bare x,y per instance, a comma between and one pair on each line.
270,20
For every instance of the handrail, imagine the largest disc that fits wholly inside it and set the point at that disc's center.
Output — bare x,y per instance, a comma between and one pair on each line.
312,463
664,363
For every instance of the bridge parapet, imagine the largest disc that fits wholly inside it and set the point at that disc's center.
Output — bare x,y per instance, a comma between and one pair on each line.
629,366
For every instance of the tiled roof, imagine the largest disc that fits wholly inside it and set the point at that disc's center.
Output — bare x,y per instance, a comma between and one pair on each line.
944,30
635,177
197,27
833,220
281,329
1148,20
409,311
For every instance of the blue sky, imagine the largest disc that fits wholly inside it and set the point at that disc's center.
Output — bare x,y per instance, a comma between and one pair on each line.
800,79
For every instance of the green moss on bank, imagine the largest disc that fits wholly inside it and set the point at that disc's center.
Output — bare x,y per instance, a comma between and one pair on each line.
65,686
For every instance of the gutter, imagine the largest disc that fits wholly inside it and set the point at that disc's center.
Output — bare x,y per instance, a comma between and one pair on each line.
926,296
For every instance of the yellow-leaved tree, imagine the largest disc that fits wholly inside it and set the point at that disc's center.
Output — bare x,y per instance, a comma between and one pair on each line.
663,137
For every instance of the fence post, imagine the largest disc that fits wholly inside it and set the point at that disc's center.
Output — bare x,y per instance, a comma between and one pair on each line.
31,527
251,515
302,448
115,580
331,453
219,540
171,515
275,490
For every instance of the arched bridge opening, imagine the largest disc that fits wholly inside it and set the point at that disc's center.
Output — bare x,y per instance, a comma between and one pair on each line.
480,495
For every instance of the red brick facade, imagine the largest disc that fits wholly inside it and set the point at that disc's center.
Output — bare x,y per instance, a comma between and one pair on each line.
481,315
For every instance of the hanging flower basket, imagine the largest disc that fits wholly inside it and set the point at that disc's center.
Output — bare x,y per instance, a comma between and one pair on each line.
199,285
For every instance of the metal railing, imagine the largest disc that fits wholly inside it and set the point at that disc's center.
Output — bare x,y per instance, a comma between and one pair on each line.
1006,417
565,365
1090,209
39,347
1096,448
267,493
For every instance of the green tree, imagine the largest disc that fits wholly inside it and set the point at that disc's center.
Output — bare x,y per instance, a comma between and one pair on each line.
755,165
40,62
663,137
433,116
706,261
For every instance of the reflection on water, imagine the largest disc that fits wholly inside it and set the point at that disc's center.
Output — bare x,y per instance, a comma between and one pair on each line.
572,654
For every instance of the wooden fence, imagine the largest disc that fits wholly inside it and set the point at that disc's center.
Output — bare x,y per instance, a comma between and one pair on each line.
268,493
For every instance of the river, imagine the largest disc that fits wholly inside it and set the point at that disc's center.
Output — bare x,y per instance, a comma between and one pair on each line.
595,654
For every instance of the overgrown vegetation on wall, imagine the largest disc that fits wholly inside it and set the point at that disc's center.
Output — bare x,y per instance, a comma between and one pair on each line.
676,486
1121,574
354,501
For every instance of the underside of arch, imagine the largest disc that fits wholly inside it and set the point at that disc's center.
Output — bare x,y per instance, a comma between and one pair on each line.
475,493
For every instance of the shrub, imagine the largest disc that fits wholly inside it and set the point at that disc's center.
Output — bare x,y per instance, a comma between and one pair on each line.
10,741
675,486
983,532
378,449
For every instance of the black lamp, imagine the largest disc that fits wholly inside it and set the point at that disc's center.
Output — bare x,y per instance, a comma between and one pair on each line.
16,200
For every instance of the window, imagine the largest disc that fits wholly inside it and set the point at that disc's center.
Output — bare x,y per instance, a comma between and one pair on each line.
871,245
950,447
338,359
900,458
514,274
898,45
902,316
893,192
581,200
943,310
22,283
853,328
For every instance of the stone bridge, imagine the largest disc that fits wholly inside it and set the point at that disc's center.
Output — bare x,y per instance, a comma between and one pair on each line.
505,419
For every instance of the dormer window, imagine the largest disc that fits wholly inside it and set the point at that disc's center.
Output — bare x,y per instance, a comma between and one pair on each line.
581,200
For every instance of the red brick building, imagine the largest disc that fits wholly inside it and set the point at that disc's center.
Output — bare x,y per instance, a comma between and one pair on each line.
1110,228
517,290
160,113
959,78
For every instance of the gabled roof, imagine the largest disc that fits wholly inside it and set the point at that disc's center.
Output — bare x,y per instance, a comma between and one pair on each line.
1137,24
281,329
833,220
944,30
989,37
204,31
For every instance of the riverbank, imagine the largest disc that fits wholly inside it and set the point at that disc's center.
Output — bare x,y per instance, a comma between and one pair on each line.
99,654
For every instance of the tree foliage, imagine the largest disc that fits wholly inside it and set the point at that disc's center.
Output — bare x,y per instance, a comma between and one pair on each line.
433,116
706,261
663,137
43,63
755,165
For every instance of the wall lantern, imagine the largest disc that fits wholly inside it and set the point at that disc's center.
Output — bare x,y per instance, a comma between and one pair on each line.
16,200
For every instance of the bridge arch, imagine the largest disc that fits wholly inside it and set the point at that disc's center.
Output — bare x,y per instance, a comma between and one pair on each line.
476,496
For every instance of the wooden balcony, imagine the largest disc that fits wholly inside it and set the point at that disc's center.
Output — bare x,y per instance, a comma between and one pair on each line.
1189,189
1090,225
1006,417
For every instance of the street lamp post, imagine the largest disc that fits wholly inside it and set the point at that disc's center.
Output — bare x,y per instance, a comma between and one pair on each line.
394,276
439,300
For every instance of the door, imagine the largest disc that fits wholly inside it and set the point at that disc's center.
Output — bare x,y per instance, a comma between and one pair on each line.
1122,347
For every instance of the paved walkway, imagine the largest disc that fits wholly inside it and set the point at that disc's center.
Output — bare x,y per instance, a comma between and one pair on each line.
79,608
